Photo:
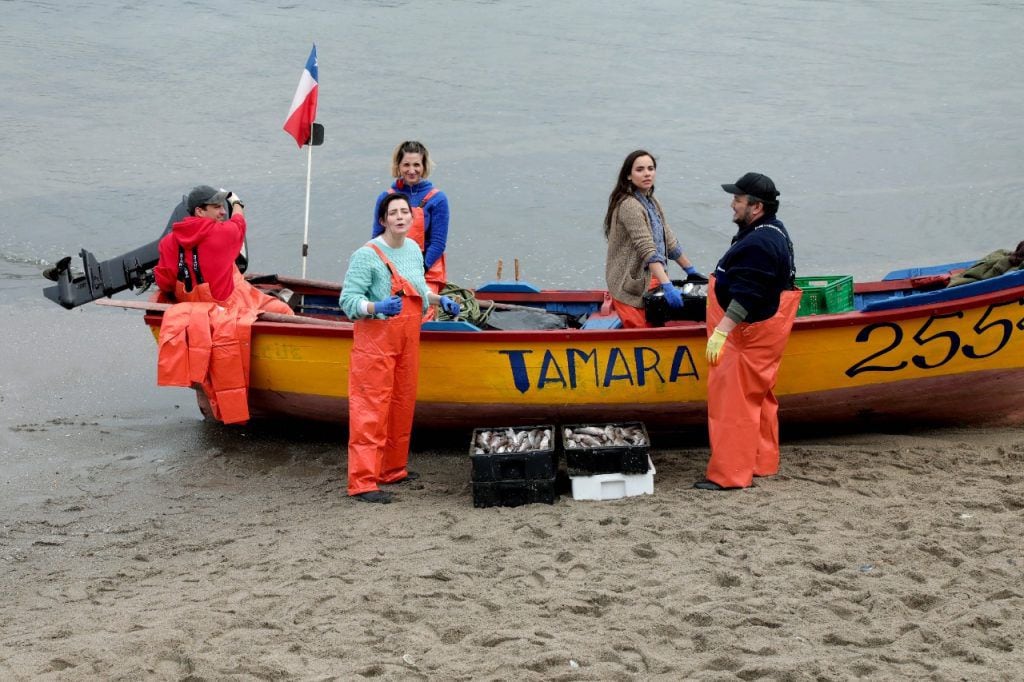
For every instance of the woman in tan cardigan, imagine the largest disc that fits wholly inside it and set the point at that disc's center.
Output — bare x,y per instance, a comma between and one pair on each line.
640,243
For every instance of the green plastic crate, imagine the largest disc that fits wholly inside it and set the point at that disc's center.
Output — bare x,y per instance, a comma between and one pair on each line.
825,294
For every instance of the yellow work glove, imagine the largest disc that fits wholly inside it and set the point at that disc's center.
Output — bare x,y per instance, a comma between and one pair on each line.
716,344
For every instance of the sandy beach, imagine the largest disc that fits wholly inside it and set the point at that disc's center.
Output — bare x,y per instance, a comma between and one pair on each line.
237,555
139,543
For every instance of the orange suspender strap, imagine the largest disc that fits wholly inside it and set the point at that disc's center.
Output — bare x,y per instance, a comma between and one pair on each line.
402,282
428,197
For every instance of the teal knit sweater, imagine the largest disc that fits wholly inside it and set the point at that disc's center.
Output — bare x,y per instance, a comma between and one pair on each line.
368,279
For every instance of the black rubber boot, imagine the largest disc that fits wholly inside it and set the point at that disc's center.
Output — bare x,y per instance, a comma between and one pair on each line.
376,496
410,476
710,485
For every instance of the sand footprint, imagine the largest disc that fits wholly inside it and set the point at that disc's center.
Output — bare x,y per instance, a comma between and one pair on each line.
540,578
578,572
390,671
174,666
632,659
920,601
723,663
727,580
645,551
57,665
401,616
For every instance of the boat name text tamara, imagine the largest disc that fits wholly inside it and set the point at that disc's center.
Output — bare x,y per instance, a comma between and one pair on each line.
635,366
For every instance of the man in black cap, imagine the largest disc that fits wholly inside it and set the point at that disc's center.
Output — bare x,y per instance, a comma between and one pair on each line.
751,309
206,338
201,247
198,255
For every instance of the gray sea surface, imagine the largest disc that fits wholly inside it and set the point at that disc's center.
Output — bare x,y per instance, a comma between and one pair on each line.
892,130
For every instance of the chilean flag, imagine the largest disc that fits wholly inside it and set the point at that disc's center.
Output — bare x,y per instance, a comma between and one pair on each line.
303,111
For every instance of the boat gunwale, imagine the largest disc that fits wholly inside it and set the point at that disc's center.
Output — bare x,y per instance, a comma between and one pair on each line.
671,330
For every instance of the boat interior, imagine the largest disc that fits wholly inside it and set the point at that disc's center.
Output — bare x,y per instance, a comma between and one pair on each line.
520,305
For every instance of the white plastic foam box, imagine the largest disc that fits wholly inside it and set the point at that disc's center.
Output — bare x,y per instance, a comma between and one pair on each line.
613,486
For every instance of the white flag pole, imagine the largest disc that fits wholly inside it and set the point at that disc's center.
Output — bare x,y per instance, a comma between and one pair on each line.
309,177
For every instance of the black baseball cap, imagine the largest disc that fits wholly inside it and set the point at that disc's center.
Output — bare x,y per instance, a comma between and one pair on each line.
204,195
757,185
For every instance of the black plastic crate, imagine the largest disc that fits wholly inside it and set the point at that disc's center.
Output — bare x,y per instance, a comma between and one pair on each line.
539,464
692,290
587,460
534,464
514,493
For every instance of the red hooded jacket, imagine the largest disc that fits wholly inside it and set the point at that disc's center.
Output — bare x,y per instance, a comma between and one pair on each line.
217,244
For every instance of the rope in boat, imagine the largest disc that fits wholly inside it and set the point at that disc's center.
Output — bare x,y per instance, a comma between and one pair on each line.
471,311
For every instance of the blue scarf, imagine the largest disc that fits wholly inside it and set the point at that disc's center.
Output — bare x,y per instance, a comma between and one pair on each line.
657,228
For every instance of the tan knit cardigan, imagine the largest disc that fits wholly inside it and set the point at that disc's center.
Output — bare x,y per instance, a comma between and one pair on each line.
630,246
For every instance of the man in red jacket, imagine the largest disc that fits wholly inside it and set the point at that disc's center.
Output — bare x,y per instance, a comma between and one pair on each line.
197,257
205,339
201,249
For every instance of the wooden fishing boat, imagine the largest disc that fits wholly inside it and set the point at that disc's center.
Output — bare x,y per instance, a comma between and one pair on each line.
907,351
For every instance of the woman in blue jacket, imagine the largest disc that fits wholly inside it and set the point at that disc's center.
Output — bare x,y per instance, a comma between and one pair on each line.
410,166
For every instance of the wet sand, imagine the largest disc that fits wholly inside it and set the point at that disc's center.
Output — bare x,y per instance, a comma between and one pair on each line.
173,549
138,542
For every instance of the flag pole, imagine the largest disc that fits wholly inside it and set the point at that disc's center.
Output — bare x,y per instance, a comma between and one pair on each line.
309,177
301,113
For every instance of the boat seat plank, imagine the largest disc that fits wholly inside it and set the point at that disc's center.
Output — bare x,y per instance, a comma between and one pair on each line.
909,273
449,326
597,321
923,283
508,287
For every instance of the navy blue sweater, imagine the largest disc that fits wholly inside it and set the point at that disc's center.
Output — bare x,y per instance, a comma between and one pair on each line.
756,269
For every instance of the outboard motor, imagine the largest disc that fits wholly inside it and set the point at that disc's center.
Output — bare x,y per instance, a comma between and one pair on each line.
133,270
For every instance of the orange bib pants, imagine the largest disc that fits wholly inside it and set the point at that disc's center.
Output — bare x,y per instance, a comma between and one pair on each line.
382,378
207,342
743,414
631,316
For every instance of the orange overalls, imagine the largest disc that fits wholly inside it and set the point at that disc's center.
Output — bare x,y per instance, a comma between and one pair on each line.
631,316
382,377
743,414
437,275
207,342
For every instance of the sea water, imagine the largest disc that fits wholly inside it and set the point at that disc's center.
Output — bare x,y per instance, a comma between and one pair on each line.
891,129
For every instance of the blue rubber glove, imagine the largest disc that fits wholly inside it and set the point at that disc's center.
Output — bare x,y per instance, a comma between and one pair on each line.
672,295
450,306
389,307
692,272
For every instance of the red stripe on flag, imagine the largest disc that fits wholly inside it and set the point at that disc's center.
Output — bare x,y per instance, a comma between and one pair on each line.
301,120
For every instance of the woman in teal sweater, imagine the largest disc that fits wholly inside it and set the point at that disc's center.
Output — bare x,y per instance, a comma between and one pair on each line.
385,294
